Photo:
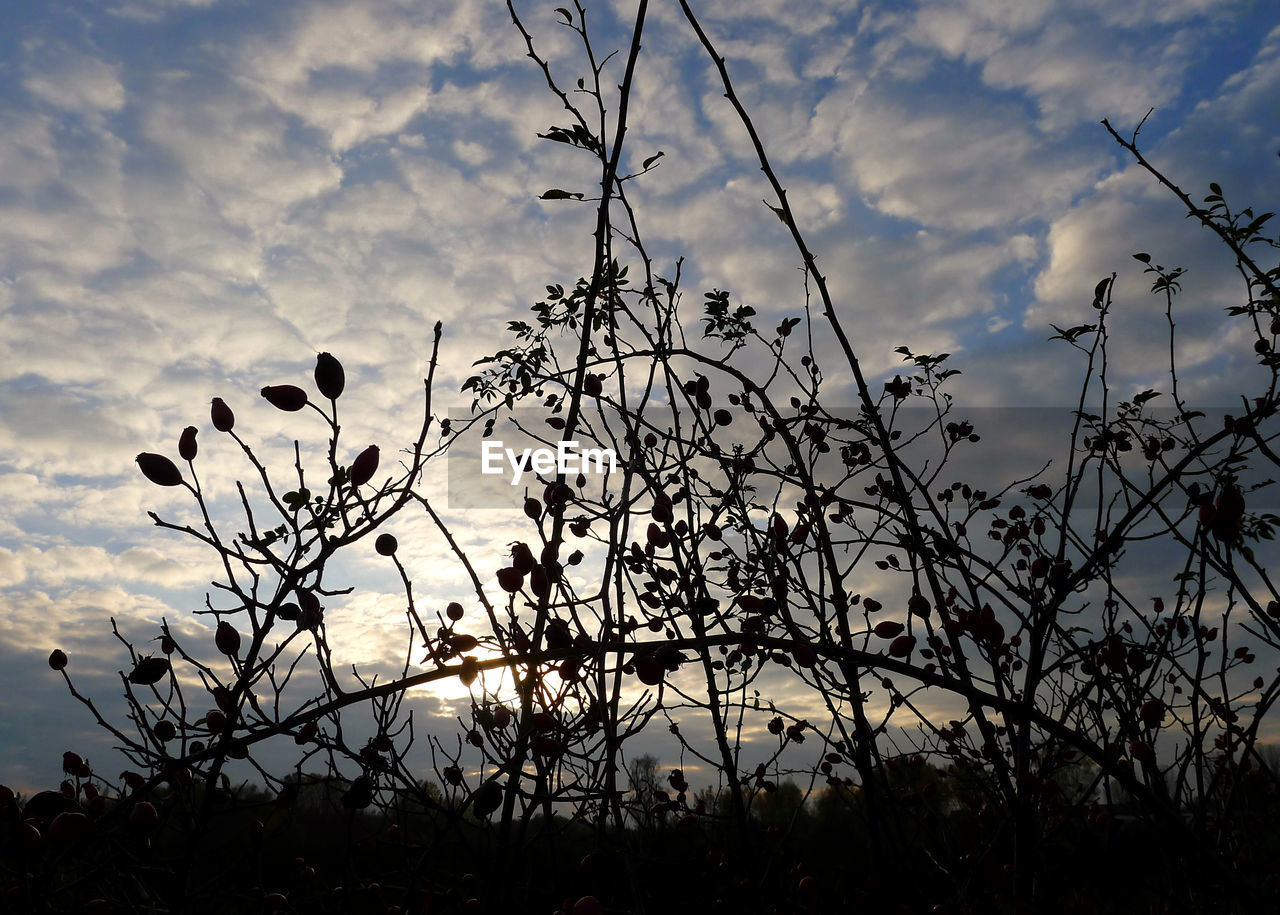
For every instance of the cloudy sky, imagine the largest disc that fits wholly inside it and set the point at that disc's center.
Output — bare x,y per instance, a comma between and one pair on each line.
197,196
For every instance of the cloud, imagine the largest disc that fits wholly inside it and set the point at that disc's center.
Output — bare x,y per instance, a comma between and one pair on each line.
237,151
1129,212
54,566
75,619
64,184
341,67
1073,78
1095,61
201,219
27,156
937,162
67,78
155,10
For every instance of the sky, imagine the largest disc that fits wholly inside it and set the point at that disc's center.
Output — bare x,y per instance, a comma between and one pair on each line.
197,196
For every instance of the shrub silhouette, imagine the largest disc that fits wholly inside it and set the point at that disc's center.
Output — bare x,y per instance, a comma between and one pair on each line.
1099,752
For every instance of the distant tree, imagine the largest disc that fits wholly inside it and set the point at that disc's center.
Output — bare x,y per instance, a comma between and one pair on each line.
642,779
780,805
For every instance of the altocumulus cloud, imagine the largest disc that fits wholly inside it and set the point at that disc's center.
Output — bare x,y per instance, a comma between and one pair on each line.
197,196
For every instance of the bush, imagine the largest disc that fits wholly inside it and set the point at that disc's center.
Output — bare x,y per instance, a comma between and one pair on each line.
1097,750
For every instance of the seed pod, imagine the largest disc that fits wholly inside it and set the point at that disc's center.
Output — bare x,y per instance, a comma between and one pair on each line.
330,378
223,419
187,444
144,816
804,654
510,580
385,544
69,826
486,799
364,466
287,397
888,629
227,639
149,671
1230,511
1152,712
522,558
591,385
311,617
539,583
649,669
462,641
159,469
57,659
311,613
359,795
558,635
308,601
222,698
902,646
